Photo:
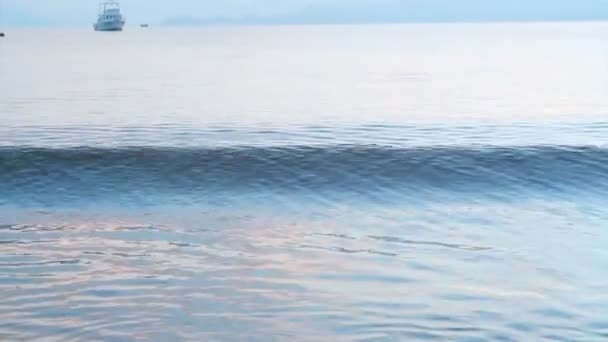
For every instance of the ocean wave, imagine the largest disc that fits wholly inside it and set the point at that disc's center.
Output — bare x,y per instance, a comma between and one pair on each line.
356,169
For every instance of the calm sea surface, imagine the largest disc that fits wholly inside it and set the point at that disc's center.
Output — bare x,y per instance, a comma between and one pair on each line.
305,183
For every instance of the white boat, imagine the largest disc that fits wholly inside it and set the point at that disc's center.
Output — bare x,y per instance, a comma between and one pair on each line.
109,18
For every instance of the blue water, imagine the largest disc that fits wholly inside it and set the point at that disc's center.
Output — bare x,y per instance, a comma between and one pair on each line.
146,175
356,183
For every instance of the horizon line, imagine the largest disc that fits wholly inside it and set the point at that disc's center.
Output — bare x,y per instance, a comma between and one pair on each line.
222,22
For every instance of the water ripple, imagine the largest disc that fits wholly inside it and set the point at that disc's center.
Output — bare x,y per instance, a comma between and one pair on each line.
114,280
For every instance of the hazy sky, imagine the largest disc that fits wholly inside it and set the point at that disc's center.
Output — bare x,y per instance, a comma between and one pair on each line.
82,12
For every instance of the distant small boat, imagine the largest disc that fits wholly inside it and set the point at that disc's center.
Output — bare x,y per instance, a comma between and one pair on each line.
144,25
1,34
109,17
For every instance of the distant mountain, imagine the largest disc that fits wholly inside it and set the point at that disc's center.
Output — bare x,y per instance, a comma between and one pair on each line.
195,21
184,21
404,11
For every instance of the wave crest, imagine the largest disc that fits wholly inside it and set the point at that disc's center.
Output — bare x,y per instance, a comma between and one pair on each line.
353,168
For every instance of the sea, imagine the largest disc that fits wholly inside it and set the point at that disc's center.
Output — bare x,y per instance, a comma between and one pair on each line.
442,182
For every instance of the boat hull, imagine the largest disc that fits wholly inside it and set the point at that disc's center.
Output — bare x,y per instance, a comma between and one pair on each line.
109,26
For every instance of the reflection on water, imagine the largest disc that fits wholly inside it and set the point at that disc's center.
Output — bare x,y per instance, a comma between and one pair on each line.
492,271
501,72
